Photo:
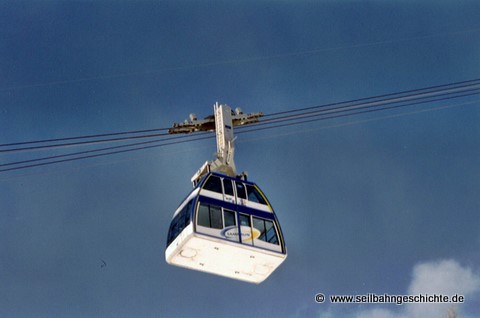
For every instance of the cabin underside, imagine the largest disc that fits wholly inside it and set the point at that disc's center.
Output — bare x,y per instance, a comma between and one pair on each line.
224,258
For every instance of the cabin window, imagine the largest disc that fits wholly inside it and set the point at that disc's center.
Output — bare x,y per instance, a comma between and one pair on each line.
267,230
203,217
241,190
210,216
213,184
179,222
227,185
244,220
216,217
246,229
229,218
254,195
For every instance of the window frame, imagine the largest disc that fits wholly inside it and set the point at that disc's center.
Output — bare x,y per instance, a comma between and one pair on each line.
179,222
211,216
265,232
255,192
233,213
244,188
224,181
210,181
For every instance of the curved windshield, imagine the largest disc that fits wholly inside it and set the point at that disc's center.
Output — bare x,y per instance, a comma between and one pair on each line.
254,195
213,184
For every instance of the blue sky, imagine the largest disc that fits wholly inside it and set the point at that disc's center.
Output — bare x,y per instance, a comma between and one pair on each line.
379,203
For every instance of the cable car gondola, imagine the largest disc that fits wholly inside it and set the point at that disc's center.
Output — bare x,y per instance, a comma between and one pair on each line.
226,225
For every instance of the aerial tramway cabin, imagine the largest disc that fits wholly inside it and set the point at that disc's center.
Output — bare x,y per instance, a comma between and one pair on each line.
225,226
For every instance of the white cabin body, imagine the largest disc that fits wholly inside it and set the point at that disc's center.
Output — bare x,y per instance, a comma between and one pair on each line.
227,227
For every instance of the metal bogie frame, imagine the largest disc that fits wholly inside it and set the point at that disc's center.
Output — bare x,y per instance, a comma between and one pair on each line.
193,124
222,122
